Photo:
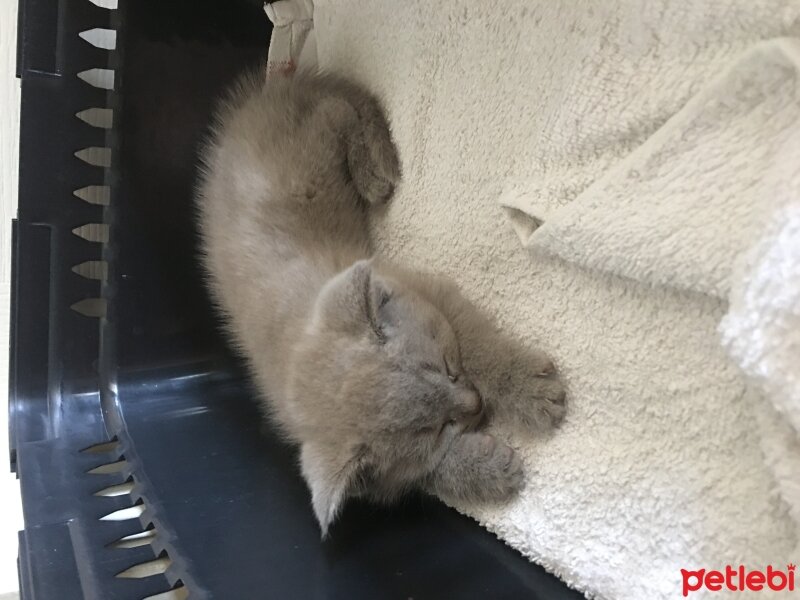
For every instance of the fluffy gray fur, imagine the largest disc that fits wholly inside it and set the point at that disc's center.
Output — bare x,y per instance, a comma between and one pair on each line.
381,376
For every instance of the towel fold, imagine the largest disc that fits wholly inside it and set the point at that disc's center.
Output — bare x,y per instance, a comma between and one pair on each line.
683,206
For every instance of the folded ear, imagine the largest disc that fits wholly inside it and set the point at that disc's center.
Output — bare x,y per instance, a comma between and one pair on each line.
329,475
367,293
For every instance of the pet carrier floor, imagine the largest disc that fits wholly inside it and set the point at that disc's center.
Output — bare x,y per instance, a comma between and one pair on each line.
144,467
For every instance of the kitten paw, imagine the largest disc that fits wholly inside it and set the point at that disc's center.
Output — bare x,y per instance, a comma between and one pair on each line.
477,468
549,396
498,468
372,158
550,402
374,188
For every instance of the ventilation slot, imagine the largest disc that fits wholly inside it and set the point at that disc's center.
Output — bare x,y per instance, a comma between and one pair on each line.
102,447
147,569
109,468
109,4
95,156
134,540
176,593
97,117
91,307
93,232
125,514
99,78
92,269
113,491
100,38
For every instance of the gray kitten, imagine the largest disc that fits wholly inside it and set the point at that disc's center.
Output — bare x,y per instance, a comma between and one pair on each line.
381,376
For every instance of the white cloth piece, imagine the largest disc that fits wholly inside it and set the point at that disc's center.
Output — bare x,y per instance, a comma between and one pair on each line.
293,43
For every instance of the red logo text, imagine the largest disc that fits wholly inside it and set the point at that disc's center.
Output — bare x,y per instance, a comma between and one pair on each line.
738,580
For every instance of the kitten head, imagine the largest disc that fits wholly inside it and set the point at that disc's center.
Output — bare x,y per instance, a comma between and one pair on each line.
377,389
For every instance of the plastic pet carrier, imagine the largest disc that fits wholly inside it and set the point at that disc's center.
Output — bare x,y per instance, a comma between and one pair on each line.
145,468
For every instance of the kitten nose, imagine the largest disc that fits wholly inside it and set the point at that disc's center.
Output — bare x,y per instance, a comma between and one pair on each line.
470,401
473,408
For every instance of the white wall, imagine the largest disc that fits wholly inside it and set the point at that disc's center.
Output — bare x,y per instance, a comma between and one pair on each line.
10,510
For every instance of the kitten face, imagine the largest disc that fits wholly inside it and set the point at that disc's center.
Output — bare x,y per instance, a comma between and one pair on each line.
419,352
379,388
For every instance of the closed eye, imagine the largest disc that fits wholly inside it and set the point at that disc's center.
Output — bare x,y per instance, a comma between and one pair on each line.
452,376
384,300
437,430
426,366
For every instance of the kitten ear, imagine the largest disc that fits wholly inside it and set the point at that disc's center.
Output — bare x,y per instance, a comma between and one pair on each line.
329,477
370,293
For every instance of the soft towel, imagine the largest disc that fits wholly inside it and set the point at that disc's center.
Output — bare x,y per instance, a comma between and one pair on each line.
690,207
659,464
684,205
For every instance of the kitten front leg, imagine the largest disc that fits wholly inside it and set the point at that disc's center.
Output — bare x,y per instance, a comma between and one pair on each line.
520,386
477,468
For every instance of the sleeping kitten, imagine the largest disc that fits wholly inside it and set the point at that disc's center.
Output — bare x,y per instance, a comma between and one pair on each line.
381,376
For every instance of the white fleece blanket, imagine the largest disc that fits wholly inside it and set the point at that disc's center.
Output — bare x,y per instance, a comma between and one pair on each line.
659,465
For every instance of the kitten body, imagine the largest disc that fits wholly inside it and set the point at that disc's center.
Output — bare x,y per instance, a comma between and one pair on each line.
381,376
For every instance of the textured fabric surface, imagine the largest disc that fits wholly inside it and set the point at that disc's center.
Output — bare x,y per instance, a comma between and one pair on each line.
682,207
659,465
761,331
